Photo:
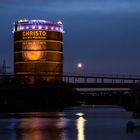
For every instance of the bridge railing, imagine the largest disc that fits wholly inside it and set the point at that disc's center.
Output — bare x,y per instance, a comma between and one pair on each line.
100,78
103,75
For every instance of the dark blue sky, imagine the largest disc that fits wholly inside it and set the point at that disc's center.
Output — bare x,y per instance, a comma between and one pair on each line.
103,34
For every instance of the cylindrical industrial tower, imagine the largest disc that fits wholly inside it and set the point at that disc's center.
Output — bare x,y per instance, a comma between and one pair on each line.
38,50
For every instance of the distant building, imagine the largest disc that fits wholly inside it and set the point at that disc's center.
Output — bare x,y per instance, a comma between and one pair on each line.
38,50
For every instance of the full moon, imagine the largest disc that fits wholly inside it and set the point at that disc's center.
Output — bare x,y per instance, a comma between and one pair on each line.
79,65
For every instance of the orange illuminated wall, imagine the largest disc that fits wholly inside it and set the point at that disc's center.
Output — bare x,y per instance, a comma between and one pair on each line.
34,50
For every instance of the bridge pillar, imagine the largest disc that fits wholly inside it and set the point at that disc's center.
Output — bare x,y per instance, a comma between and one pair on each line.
102,80
136,108
95,80
85,80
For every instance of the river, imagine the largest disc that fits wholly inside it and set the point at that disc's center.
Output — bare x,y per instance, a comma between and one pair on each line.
96,122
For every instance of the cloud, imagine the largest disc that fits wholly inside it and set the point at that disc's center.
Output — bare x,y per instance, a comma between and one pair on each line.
97,6
74,5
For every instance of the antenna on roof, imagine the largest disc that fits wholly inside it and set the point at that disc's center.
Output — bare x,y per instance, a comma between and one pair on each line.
4,67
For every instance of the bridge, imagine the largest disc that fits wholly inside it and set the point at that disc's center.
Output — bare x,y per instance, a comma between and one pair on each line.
85,81
105,89
101,81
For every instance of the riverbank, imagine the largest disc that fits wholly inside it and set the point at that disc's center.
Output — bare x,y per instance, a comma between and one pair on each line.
36,98
57,96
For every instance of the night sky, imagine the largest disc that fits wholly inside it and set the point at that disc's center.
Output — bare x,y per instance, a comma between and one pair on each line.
102,34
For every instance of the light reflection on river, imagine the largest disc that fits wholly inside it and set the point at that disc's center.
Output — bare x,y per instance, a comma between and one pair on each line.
75,123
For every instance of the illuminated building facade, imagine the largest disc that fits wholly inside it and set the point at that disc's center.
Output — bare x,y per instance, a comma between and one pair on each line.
38,50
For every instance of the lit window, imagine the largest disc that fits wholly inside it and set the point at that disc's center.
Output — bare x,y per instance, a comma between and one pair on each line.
39,27
33,27
27,27
21,28
52,28
61,29
57,28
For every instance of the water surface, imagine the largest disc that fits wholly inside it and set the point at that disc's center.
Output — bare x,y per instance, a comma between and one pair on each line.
75,123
